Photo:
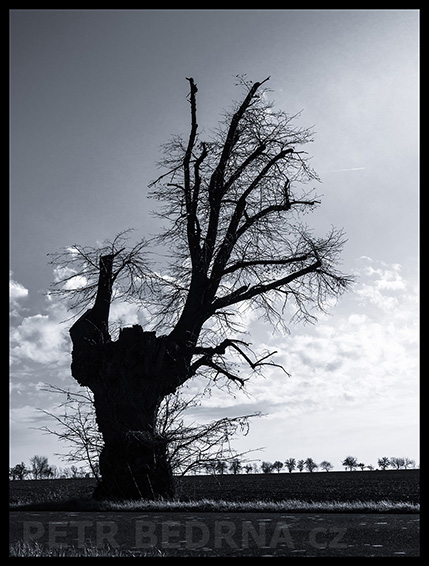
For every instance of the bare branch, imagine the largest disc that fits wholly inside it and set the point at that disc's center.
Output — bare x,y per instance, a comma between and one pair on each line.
263,262
246,294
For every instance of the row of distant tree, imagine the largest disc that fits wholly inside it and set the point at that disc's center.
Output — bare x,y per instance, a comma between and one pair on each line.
41,469
291,464
350,463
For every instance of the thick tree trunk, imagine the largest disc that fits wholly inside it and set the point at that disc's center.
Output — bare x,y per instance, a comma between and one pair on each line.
127,397
129,378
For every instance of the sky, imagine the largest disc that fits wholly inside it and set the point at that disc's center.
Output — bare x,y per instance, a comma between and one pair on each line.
93,95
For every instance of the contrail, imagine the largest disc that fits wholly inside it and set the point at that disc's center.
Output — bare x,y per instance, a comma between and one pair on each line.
350,169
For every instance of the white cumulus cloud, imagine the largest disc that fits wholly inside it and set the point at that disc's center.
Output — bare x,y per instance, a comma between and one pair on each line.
16,293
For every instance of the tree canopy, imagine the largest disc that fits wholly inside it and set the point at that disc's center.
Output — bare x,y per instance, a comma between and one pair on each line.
232,203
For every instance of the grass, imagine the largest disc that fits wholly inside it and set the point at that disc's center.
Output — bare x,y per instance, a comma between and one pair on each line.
21,549
216,505
288,505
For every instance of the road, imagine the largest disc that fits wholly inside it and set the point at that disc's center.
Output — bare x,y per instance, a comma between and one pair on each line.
225,534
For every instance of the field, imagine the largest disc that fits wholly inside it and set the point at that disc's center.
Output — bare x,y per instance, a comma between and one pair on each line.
300,514
398,485
393,485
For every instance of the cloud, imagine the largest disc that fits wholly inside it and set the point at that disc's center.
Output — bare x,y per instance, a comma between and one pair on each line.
25,416
366,353
73,281
17,292
384,285
124,314
40,337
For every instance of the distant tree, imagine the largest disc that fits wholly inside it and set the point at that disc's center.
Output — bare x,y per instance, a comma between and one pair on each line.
210,467
350,462
55,471
267,467
40,467
300,465
383,462
408,463
311,465
248,468
18,472
397,463
290,464
362,466
277,466
325,465
221,467
370,467
77,472
235,466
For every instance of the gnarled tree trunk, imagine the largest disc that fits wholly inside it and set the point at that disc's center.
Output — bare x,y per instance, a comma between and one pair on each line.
129,378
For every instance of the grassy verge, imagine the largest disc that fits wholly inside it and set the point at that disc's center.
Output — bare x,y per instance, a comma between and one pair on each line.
289,505
21,549
211,505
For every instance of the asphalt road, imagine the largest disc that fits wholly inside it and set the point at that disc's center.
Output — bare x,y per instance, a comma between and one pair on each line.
225,534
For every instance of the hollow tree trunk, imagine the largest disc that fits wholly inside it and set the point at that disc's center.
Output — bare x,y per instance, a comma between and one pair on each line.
129,378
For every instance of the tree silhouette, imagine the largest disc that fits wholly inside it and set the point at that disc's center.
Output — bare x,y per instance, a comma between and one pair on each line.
18,472
383,462
311,465
350,462
267,467
232,206
40,467
325,465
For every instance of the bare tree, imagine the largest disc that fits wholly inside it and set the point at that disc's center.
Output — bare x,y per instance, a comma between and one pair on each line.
235,466
383,462
232,206
266,467
397,462
300,465
220,467
290,464
40,467
18,472
350,462
311,465
277,465
325,465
